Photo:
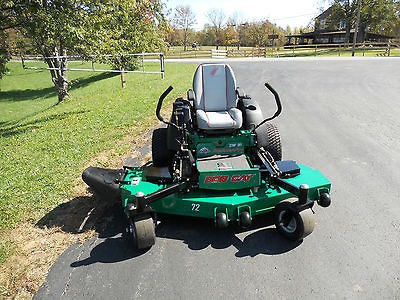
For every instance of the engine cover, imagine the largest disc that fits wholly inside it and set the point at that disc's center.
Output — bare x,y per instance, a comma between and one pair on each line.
220,172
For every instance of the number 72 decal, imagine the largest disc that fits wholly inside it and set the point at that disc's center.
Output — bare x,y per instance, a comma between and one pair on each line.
195,207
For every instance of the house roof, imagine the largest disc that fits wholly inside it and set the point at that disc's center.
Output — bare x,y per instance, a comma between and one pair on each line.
325,13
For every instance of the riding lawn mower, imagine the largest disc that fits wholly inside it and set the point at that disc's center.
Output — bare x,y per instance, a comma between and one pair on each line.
217,157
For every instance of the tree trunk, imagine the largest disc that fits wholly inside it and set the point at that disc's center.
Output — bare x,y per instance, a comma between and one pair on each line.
185,34
58,72
62,79
361,33
61,85
347,35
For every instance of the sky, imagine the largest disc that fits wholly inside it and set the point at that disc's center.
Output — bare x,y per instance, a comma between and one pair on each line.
294,13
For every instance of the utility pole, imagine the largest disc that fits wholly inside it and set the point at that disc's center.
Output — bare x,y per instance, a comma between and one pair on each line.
356,29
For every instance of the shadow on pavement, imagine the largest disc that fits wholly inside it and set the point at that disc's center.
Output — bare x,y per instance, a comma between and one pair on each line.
196,233
111,250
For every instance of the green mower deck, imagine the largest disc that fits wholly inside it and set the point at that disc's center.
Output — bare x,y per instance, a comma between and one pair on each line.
207,203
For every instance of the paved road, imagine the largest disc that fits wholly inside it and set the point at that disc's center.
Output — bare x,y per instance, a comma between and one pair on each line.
340,116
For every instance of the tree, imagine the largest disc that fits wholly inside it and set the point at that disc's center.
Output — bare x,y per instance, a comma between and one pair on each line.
52,26
4,55
217,18
125,26
6,22
85,27
184,19
344,10
230,35
173,37
258,33
206,36
376,15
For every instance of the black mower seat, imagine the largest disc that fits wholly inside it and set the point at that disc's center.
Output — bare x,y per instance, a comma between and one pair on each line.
215,98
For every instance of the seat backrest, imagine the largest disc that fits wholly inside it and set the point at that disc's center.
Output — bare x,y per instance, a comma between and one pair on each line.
214,86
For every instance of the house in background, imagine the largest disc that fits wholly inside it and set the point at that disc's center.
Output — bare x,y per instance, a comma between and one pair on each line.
328,32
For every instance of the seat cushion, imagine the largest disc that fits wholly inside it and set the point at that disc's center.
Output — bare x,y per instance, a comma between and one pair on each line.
214,86
231,119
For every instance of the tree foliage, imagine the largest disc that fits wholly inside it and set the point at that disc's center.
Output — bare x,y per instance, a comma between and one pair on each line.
231,33
378,16
182,21
125,26
6,22
258,34
217,20
4,54
85,27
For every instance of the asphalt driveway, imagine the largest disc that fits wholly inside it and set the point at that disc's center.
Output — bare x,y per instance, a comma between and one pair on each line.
340,116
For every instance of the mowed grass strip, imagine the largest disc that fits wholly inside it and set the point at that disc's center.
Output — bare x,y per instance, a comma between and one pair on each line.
44,146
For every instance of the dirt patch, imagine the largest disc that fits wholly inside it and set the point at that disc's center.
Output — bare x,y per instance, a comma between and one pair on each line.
37,249
39,245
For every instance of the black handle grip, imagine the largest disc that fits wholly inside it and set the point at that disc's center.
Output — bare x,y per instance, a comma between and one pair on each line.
278,104
160,102
277,99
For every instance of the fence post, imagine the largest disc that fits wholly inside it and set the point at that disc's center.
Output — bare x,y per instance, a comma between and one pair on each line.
123,80
23,61
64,67
162,65
316,50
388,48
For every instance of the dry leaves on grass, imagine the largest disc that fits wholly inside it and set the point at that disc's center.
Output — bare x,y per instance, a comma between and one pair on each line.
38,247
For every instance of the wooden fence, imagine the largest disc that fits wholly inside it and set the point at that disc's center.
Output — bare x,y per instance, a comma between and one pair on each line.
363,49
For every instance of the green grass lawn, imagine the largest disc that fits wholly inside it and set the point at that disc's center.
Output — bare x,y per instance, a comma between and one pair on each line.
44,146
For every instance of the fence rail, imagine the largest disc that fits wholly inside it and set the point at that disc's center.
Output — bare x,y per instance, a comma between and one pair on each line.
371,49
157,56
219,53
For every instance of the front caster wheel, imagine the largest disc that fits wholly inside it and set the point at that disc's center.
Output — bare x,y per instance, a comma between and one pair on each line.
221,220
291,224
142,230
245,219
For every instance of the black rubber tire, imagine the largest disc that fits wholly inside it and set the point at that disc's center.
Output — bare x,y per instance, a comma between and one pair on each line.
268,137
161,156
291,224
221,220
245,219
143,232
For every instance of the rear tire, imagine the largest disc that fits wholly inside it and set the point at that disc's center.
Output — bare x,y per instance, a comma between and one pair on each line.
268,137
161,155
